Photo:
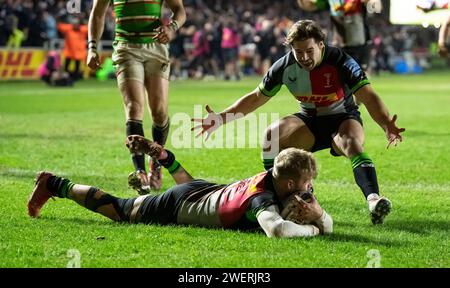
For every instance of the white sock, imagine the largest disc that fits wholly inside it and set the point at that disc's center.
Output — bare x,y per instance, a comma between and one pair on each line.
372,197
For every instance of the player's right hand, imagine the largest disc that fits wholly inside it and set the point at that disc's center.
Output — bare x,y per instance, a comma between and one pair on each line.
93,60
209,124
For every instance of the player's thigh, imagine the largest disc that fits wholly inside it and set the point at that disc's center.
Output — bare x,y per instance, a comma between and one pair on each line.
157,72
130,79
349,139
291,131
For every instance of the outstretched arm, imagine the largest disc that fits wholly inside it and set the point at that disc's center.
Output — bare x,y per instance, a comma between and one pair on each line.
380,114
246,104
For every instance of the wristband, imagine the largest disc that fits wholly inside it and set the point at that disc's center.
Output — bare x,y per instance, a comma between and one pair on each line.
174,25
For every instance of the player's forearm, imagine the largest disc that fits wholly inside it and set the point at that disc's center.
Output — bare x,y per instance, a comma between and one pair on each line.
375,106
325,223
181,176
243,106
96,24
378,111
97,21
179,15
276,227
288,229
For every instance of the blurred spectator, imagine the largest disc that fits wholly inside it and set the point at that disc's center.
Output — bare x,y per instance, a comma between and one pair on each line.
16,36
200,52
75,45
50,26
380,56
230,49
6,21
51,71
204,62
264,40
37,34
260,26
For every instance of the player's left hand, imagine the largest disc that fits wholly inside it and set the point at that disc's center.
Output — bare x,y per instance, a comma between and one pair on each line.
393,132
300,211
209,124
311,211
165,34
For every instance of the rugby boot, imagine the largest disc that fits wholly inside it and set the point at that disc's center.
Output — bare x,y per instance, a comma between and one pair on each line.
40,194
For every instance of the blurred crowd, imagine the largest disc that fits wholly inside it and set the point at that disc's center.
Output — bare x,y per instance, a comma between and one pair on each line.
221,38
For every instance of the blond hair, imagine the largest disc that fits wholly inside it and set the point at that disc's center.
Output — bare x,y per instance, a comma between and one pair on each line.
293,163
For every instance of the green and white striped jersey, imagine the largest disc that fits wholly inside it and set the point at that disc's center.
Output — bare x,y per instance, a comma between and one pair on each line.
136,20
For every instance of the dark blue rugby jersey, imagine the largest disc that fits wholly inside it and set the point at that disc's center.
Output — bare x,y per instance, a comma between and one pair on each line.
326,90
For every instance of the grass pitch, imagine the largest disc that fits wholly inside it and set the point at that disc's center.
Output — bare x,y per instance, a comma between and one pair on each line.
79,133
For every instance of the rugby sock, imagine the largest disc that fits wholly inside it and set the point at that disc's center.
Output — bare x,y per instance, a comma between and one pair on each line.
268,163
160,134
134,127
59,186
170,163
365,174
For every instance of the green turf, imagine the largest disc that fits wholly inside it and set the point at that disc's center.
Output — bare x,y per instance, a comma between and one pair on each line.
79,133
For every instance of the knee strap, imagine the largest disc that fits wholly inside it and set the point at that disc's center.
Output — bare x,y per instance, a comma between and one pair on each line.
105,199
93,204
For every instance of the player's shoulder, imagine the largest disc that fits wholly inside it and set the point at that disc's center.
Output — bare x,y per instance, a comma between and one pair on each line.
333,54
267,186
282,63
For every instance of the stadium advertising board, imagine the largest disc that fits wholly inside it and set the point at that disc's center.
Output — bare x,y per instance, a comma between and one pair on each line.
20,64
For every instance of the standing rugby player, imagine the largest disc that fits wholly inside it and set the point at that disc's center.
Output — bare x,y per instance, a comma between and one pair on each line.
142,64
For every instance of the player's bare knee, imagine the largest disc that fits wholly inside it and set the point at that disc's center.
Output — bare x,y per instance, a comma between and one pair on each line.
350,146
272,135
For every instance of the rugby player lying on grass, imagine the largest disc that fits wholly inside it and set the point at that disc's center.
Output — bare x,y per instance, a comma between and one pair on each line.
246,204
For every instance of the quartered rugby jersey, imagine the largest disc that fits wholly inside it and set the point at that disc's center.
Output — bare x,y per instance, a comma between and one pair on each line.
326,90
136,20
233,206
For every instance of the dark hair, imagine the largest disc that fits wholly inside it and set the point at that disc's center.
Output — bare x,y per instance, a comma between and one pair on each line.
303,30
